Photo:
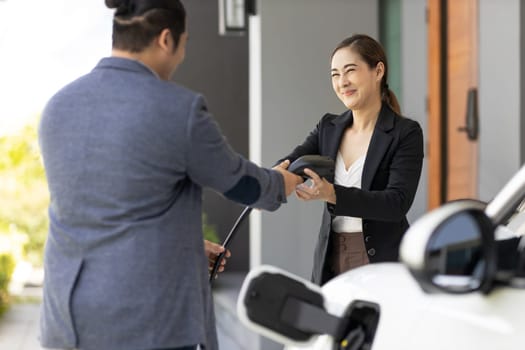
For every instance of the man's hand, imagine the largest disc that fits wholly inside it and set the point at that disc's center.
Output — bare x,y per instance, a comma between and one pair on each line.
290,179
212,250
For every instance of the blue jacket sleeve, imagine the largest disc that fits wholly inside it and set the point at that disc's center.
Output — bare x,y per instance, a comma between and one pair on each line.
211,162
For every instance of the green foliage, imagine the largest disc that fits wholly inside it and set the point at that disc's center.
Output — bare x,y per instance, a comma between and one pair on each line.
209,231
24,197
7,266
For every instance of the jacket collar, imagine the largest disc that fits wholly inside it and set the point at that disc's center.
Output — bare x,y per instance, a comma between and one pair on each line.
385,121
125,64
379,143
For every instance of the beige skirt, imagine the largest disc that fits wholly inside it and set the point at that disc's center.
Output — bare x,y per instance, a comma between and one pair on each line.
348,251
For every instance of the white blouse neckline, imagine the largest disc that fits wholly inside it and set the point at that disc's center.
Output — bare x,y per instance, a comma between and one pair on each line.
357,163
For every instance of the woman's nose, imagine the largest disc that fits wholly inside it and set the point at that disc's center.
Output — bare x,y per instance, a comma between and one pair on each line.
342,81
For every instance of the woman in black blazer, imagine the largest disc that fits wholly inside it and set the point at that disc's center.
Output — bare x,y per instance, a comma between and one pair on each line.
379,155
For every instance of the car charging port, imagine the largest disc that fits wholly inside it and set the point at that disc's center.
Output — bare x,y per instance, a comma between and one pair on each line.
362,320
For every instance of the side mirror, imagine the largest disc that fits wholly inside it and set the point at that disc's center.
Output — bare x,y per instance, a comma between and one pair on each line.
284,308
452,249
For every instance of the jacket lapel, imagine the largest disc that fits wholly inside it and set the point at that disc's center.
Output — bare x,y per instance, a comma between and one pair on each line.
381,140
339,124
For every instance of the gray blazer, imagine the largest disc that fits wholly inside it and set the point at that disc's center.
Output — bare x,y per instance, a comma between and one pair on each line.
126,156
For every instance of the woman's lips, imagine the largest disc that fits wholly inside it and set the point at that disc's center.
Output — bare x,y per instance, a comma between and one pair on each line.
348,92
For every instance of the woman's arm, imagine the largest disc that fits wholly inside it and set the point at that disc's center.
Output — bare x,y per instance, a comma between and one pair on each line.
392,203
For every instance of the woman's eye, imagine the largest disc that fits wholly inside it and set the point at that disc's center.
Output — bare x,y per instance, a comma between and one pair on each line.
335,75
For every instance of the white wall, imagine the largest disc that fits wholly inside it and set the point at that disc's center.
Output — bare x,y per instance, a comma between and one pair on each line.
499,94
414,48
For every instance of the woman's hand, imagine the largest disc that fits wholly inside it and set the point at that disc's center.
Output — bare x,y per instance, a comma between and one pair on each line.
213,250
319,189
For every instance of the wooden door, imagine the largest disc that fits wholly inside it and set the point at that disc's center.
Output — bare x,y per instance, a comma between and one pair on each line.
453,78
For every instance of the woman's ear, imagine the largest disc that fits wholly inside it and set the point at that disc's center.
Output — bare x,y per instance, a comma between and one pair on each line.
380,70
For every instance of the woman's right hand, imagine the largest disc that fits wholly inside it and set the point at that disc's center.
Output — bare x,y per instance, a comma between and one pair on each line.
319,189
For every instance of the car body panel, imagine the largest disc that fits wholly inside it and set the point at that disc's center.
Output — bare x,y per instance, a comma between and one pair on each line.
412,319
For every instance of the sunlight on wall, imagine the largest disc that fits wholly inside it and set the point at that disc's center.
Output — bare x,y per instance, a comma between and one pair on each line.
43,46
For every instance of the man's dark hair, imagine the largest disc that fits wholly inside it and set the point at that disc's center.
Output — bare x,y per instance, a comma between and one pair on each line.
137,22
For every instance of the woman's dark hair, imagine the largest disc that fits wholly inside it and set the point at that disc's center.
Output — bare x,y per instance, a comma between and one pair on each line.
372,53
137,22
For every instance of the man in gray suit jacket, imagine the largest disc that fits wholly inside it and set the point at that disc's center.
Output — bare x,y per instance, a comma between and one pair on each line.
126,154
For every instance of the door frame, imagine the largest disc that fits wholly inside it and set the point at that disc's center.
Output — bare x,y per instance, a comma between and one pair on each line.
453,71
437,103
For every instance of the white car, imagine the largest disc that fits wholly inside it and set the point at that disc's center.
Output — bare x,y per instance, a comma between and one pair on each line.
460,285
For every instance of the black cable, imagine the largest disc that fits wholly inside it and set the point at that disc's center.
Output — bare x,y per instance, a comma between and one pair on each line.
227,242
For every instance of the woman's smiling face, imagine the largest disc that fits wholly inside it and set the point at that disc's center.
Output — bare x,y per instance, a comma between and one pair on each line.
354,82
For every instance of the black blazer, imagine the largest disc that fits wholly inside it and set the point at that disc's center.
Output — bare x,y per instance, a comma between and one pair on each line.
390,177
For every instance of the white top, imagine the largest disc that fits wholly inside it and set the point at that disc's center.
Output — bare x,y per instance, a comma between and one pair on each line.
348,178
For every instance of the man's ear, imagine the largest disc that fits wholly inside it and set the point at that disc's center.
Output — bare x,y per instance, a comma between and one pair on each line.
165,40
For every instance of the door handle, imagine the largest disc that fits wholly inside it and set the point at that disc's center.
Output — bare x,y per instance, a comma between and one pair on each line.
472,117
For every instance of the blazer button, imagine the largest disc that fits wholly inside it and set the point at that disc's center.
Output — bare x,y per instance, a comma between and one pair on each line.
367,238
371,252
